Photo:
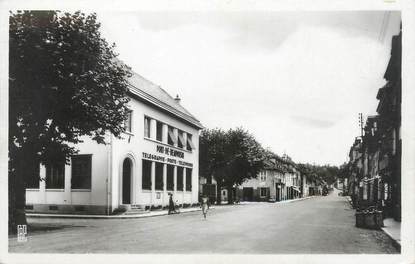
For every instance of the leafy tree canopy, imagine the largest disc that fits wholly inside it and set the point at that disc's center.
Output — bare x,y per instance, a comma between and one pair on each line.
326,173
64,82
230,156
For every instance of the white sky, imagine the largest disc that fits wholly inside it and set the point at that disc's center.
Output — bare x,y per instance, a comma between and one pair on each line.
295,80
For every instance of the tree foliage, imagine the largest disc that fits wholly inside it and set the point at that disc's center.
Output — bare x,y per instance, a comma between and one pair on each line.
321,173
230,157
64,83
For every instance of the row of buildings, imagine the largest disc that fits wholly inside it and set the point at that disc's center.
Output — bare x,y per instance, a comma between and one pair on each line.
158,154
375,157
281,179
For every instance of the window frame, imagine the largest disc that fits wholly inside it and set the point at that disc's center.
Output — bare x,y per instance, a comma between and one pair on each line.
189,177
159,132
189,142
180,139
171,137
263,189
144,185
128,123
180,184
73,158
52,167
168,186
158,178
147,127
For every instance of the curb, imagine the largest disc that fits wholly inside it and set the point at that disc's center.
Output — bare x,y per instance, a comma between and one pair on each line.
143,215
395,242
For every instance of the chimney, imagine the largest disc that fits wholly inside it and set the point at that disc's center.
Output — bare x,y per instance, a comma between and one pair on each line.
177,99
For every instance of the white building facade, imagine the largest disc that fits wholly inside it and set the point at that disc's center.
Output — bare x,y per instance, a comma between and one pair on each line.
157,155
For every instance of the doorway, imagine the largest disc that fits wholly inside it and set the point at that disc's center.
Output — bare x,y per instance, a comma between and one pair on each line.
126,181
277,193
248,194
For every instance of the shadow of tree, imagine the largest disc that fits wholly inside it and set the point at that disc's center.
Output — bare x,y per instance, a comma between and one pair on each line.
42,227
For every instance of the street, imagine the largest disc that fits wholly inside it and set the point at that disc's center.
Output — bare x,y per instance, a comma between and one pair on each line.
316,225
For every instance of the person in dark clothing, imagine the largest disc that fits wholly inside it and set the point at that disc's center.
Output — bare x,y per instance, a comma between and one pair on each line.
172,208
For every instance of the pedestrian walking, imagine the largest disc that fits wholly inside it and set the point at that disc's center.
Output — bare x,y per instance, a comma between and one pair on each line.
205,205
172,208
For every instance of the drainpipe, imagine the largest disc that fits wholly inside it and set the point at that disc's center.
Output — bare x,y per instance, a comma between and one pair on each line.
109,174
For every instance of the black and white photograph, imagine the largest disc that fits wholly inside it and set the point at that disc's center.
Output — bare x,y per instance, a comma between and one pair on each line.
207,132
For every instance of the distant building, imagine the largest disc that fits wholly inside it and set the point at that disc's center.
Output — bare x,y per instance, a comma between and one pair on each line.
278,181
158,155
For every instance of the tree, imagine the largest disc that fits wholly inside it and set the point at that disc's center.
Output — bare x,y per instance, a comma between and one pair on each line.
64,83
245,158
212,144
230,157
326,173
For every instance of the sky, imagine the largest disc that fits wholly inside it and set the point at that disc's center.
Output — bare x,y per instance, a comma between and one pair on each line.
295,80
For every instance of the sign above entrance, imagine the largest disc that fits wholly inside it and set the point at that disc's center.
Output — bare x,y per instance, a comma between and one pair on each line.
166,160
170,151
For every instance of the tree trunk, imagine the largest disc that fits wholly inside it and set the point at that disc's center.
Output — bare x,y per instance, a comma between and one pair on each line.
218,193
17,199
25,167
230,194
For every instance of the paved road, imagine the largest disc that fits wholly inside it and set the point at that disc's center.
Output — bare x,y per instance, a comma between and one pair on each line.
316,225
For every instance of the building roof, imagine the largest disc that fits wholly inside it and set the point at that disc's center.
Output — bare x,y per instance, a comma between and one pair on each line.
155,95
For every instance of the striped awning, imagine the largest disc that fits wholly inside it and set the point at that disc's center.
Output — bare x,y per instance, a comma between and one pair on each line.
172,137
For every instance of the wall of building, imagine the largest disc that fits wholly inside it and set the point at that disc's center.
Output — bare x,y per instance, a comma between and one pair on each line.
135,144
105,194
94,200
288,184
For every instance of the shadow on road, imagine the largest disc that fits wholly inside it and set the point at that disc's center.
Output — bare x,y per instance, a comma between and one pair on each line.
40,227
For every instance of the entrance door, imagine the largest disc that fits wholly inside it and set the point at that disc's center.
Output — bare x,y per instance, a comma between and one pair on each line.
248,194
277,195
126,181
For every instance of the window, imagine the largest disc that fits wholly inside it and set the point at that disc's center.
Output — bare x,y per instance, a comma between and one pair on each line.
159,176
189,143
33,182
188,179
128,121
263,192
159,131
55,177
179,178
181,143
146,178
171,139
170,177
262,176
147,127
365,190
81,172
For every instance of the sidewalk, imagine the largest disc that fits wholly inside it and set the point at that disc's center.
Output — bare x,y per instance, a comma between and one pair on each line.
393,229
141,215
225,203
147,214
